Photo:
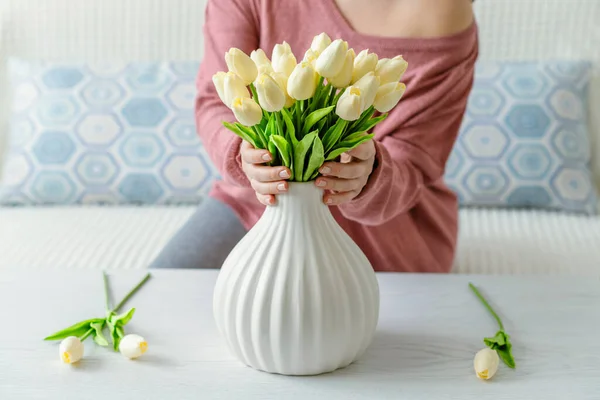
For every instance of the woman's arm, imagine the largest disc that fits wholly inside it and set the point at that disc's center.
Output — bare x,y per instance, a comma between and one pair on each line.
418,135
228,23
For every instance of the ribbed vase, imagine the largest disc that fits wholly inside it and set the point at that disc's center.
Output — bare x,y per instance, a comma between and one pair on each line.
297,296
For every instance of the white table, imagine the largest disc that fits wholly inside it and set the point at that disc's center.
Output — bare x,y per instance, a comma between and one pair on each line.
430,328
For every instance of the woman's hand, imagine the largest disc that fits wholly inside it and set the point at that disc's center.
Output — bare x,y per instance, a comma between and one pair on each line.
266,181
344,180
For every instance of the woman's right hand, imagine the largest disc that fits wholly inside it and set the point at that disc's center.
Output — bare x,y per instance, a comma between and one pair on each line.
266,181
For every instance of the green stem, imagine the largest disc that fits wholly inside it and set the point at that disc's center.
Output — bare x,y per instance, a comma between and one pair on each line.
132,292
337,97
105,279
298,115
487,305
87,334
254,93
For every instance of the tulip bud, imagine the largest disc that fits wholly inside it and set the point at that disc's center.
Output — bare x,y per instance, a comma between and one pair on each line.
486,363
302,83
262,61
233,87
219,82
239,63
391,70
343,78
270,96
311,57
246,111
282,81
364,63
283,59
388,96
368,85
133,346
71,350
349,106
320,43
331,60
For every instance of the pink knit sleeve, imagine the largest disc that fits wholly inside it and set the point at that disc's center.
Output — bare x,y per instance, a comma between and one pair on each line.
228,23
415,141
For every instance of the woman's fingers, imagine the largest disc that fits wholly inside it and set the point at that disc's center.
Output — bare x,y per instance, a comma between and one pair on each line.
266,199
346,171
339,185
267,174
335,199
251,155
269,187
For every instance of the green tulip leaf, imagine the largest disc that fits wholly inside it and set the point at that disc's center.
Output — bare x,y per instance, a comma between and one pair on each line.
284,149
337,152
273,150
317,158
290,129
368,124
368,113
271,127
300,150
333,134
77,329
123,319
252,139
98,335
315,117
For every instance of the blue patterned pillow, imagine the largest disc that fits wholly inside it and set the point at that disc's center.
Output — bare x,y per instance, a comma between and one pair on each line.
524,141
88,134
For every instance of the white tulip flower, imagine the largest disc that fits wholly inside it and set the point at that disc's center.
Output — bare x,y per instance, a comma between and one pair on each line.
262,61
282,81
388,96
302,83
283,60
486,363
349,106
391,70
246,111
71,350
331,60
320,43
364,63
311,57
270,95
239,63
343,78
133,346
219,82
368,85
233,87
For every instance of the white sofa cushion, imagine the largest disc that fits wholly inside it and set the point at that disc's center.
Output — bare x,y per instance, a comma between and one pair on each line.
491,242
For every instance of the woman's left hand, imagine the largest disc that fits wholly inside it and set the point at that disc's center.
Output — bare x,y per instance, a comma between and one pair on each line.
344,180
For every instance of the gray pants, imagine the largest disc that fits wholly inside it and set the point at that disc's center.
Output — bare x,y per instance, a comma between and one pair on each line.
205,240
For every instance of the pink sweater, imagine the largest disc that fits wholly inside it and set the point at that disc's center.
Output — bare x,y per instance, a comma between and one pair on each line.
405,219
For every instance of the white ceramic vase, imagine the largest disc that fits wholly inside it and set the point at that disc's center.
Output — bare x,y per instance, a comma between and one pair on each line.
297,296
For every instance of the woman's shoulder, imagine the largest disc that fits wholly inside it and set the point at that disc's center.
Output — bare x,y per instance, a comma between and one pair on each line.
443,17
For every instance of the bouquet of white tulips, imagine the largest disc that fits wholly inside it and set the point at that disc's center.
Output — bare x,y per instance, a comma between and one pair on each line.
309,112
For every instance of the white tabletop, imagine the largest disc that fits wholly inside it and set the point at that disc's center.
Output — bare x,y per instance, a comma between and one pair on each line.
430,328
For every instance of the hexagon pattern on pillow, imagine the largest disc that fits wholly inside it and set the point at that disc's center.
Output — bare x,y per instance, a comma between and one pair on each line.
524,141
97,134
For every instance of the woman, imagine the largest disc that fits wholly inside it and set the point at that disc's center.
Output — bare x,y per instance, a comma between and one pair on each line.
387,194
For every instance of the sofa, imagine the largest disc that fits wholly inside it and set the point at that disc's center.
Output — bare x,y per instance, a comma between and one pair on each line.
491,240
